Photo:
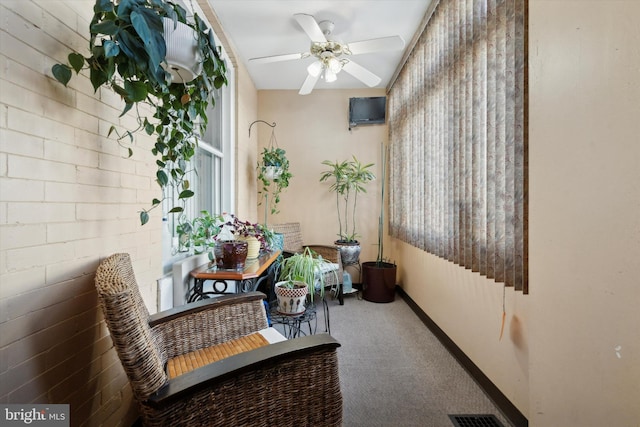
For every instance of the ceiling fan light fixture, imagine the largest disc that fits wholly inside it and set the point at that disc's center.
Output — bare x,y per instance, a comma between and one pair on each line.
334,65
329,76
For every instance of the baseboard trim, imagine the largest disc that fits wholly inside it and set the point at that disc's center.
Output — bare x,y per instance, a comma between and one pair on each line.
499,399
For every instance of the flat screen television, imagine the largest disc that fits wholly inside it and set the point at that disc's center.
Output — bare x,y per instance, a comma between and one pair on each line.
367,111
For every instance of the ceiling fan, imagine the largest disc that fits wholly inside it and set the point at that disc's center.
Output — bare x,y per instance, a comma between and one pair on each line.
331,54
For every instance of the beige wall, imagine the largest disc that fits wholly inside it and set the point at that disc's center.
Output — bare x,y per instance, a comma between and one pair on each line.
246,148
585,213
68,198
313,128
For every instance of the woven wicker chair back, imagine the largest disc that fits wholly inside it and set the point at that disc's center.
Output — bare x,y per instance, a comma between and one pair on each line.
128,321
292,236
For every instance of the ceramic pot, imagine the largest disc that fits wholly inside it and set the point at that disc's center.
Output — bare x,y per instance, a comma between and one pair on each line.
233,254
253,246
278,242
291,301
378,281
349,252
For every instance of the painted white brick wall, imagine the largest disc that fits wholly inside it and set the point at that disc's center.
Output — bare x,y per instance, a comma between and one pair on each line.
69,197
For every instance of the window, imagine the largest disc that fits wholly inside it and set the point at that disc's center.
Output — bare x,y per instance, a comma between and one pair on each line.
457,129
212,170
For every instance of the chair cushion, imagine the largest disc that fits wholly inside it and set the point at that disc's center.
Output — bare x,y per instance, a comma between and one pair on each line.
196,359
328,267
328,272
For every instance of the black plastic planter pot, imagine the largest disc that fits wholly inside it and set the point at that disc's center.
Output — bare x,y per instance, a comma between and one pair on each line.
378,281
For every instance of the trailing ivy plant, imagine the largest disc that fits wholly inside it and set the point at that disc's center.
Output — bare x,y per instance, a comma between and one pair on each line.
127,51
273,184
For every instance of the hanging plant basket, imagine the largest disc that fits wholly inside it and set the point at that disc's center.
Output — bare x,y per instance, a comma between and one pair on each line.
130,45
272,172
183,62
273,175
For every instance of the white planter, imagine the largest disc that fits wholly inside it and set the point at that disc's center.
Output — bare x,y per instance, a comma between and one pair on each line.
291,301
273,172
253,246
182,59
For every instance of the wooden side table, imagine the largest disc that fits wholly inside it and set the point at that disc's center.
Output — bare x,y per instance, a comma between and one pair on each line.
254,272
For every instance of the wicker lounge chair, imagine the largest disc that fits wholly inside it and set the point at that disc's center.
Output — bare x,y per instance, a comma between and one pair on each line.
293,243
288,383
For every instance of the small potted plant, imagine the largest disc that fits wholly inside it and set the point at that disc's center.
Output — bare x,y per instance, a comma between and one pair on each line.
128,54
274,176
292,296
348,178
302,276
200,234
254,234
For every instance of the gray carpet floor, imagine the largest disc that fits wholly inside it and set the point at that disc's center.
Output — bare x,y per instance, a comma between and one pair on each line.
394,372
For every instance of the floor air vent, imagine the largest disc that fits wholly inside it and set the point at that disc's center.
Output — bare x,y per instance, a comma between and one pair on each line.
476,420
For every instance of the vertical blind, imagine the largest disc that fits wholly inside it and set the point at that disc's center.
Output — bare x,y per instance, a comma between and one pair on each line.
458,136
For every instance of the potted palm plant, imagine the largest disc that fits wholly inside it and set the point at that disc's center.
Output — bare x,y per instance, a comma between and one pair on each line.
379,276
128,54
348,178
302,276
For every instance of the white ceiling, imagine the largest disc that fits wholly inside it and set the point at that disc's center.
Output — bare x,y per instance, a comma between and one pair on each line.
266,27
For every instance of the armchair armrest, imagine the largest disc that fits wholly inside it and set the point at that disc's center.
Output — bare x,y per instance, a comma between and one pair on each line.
311,352
208,322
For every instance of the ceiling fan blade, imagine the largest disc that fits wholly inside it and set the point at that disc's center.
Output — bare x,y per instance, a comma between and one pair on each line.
361,73
376,45
310,26
308,84
278,58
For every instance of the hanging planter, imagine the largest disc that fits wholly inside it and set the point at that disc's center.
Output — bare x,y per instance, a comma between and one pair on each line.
182,59
128,54
273,174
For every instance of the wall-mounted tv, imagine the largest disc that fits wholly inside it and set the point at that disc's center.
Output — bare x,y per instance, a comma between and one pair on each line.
367,111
